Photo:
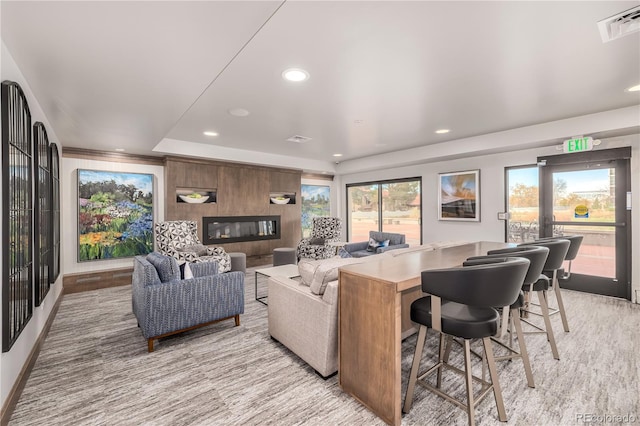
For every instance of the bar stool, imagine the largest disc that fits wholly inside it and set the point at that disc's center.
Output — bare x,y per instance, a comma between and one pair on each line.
537,256
572,253
558,249
460,304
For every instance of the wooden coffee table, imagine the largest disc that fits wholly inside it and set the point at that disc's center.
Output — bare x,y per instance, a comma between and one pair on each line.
289,271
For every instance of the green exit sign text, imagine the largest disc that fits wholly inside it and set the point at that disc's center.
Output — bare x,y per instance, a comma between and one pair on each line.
578,144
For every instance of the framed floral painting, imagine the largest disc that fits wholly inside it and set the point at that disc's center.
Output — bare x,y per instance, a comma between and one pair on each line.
115,214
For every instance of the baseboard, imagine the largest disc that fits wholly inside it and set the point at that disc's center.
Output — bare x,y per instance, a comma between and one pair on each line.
18,387
87,281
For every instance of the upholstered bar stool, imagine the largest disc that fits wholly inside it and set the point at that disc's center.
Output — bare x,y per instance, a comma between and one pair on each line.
537,257
460,304
572,253
558,249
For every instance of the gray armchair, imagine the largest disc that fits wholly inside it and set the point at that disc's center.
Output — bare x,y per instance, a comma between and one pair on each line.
361,249
164,304
179,239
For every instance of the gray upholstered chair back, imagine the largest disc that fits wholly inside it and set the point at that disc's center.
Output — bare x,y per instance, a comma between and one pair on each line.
327,227
173,235
394,239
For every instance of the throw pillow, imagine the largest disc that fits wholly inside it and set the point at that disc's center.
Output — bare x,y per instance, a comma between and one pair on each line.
327,271
343,253
306,269
384,243
185,271
316,241
373,245
166,266
199,249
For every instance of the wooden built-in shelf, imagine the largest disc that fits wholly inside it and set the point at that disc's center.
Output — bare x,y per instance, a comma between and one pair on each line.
283,198
184,195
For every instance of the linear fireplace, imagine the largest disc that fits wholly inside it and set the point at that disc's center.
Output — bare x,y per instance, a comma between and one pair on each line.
231,229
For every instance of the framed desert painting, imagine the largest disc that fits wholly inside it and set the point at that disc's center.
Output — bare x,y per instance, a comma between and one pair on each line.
459,196
115,214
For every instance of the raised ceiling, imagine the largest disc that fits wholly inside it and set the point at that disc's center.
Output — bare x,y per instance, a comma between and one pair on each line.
384,75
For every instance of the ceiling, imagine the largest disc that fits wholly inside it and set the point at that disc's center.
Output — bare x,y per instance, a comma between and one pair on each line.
151,77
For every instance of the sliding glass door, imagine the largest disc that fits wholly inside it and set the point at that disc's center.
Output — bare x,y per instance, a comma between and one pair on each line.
387,206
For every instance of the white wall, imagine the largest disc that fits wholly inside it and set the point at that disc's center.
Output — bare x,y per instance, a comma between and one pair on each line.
69,212
12,362
492,193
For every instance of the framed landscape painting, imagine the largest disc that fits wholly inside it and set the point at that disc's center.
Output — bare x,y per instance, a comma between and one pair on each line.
459,196
315,203
115,214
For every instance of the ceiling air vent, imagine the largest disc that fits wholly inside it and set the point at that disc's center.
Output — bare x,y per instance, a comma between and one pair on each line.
620,25
299,139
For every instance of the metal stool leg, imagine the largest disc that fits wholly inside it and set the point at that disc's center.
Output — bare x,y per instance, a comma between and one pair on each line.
493,372
515,316
563,314
542,298
469,381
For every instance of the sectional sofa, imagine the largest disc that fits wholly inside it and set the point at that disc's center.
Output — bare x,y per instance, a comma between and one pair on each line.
303,312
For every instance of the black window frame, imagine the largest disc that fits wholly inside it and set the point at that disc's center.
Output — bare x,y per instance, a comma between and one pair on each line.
17,214
380,210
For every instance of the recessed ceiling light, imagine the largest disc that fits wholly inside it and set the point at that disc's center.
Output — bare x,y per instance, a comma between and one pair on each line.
120,149
295,74
210,133
442,131
238,112
635,88
337,155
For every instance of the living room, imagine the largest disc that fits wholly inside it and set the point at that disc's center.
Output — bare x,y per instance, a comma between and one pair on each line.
490,148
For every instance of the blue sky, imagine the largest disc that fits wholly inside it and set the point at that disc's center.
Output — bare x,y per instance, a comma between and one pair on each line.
141,181
310,191
580,180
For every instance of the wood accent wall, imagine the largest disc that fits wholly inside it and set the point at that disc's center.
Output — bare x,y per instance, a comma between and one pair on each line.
242,190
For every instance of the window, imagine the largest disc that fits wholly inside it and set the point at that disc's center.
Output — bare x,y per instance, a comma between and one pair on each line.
522,204
387,206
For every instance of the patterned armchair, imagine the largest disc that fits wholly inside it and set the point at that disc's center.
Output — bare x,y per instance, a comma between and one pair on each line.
179,239
164,304
325,230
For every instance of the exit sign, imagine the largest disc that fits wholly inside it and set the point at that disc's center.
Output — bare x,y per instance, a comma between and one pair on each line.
578,145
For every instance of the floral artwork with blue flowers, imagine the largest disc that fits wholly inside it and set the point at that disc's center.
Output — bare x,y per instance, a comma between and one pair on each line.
115,214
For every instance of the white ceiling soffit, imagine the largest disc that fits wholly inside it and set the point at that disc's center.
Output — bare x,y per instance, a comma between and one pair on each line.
121,73
385,75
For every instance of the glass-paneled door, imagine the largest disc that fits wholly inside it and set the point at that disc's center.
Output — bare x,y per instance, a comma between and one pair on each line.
589,198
